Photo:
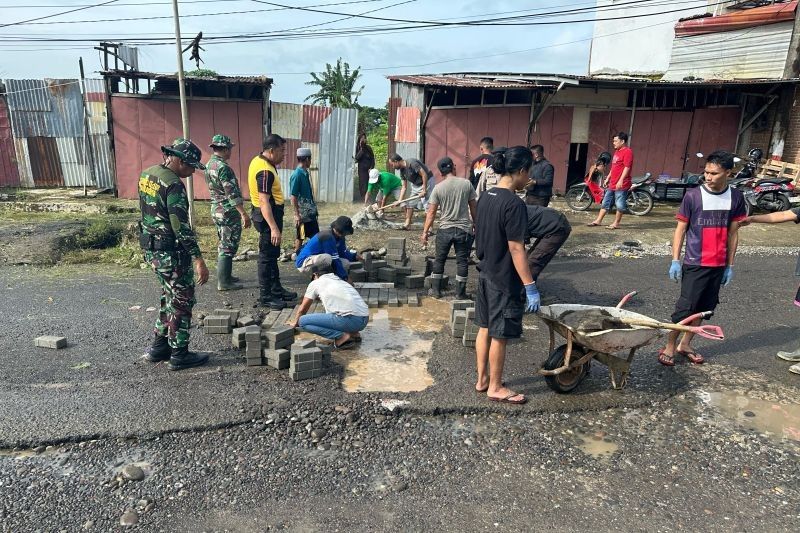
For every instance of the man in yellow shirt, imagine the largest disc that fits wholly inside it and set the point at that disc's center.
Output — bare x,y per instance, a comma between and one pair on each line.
266,197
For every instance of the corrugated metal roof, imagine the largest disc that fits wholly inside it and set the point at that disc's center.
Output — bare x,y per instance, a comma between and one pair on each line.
758,52
508,80
337,146
242,80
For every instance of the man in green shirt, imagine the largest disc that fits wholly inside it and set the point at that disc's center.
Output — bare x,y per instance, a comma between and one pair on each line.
386,183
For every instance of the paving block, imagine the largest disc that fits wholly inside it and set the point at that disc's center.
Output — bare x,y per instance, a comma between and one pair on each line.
468,344
402,296
415,281
280,332
386,274
50,341
470,313
427,283
308,374
302,344
393,301
372,299
356,265
238,338
307,365
377,265
217,330
309,354
217,320
253,350
374,285
327,350
395,243
459,318
383,296
460,305
245,320
404,270
233,314
254,361
279,344
413,299
358,275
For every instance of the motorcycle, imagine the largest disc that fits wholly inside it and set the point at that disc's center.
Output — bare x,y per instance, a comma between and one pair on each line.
639,201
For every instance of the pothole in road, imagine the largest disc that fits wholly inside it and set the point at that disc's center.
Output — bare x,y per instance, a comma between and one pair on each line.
779,422
393,356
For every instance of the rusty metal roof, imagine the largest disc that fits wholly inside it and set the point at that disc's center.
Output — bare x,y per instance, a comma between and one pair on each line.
511,80
241,80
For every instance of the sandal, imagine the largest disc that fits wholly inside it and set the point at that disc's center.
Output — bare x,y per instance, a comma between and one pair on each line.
613,227
346,345
592,224
508,399
665,359
693,357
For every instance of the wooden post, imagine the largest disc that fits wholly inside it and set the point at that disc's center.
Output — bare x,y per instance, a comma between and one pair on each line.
87,137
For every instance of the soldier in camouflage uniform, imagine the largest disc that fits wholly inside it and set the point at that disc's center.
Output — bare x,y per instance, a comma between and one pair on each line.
170,248
227,210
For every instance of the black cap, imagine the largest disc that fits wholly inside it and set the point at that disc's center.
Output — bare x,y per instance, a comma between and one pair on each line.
445,165
343,225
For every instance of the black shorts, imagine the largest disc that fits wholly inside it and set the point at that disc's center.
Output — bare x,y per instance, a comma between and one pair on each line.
497,311
699,291
306,230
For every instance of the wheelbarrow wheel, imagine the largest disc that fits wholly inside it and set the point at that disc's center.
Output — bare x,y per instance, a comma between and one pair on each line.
569,380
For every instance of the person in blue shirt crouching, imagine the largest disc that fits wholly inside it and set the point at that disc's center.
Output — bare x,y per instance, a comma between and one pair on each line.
329,241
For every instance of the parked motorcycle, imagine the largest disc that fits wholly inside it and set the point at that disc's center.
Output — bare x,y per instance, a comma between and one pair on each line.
639,202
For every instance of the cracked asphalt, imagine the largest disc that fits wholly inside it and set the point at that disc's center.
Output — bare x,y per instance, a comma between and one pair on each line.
230,448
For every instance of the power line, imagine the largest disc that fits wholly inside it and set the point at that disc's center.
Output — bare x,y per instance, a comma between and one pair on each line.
19,22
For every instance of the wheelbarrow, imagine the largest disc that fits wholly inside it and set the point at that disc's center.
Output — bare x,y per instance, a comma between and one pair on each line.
599,333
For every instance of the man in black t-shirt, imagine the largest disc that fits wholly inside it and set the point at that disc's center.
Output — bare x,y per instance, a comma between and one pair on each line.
415,172
506,288
481,163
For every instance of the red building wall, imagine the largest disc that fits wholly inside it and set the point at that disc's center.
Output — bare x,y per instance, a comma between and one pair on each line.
142,126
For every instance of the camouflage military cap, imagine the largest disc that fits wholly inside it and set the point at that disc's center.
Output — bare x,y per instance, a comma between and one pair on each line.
187,151
221,141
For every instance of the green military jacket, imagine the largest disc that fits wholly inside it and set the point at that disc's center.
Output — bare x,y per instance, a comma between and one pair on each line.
222,185
165,208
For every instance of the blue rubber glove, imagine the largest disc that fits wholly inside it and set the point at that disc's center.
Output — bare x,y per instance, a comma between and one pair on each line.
675,270
727,276
533,298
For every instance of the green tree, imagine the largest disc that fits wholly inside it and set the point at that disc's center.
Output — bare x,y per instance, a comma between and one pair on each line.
336,86
201,73
370,118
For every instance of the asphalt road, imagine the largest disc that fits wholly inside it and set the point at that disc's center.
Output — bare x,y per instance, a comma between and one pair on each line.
230,448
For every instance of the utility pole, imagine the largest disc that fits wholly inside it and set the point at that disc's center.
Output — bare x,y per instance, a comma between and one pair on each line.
184,111
87,137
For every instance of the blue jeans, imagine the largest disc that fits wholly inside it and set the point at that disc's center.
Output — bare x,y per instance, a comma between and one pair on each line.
332,326
620,198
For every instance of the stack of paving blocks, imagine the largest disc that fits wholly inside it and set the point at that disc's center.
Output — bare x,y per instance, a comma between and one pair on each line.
253,350
278,337
415,281
220,321
50,341
396,252
444,285
305,361
277,359
356,272
462,321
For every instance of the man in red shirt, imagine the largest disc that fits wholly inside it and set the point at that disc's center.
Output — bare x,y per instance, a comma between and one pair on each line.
618,181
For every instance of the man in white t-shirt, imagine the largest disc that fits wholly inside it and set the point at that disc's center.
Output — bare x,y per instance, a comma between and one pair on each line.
346,312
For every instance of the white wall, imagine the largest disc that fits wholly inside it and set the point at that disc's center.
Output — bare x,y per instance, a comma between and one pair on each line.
639,45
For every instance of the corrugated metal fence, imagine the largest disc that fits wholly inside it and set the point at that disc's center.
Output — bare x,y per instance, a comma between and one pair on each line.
330,133
50,139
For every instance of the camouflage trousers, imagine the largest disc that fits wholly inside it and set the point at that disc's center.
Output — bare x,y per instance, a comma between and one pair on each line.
229,231
176,276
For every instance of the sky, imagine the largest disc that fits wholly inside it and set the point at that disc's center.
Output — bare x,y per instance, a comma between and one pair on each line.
557,48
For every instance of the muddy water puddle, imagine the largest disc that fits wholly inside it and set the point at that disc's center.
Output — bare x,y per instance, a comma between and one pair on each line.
393,357
780,422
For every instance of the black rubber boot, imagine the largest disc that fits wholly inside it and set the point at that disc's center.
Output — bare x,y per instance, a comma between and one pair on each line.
461,291
224,281
277,288
158,351
182,358
272,301
436,287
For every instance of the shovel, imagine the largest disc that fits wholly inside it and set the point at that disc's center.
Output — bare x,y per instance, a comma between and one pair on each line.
707,331
393,204
600,319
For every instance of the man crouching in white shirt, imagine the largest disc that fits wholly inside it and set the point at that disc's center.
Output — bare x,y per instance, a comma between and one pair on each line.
346,312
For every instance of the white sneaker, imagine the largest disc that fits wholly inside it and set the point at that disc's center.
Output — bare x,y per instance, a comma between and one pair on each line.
793,357
795,369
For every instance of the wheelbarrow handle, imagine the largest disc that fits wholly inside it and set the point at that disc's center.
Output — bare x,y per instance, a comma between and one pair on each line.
708,331
626,298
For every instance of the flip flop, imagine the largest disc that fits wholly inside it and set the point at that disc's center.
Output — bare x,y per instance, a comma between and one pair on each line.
592,224
346,345
483,391
613,227
508,399
664,359
693,357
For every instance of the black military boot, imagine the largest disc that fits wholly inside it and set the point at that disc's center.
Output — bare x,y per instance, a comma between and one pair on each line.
158,351
272,301
224,281
277,288
461,291
182,358
436,287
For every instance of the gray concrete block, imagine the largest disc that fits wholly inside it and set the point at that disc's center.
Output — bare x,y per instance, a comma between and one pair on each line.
303,344
470,313
386,274
307,365
468,344
281,354
415,281
279,344
238,338
277,364
359,275
395,243
327,350
377,265
309,354
217,320
413,299
280,332
356,265
402,296
217,330
393,301
50,341
404,270
372,299
308,374
383,296
460,305
244,321
254,361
